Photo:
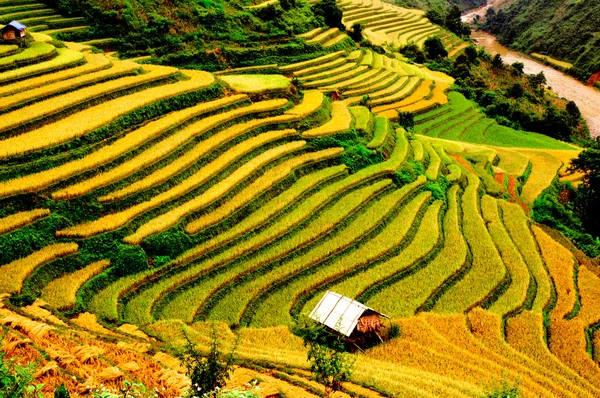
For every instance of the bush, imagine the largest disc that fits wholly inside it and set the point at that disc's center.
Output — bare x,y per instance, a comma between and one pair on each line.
16,380
434,48
61,392
129,260
330,12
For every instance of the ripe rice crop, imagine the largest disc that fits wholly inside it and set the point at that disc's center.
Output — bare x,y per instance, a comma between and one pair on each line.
337,77
312,102
340,121
321,67
377,83
269,315
567,341
328,73
61,293
421,92
189,158
57,104
515,295
21,219
230,307
545,167
262,184
560,263
380,131
487,270
512,161
130,141
36,50
172,143
589,293
170,218
413,291
418,152
117,220
270,209
8,49
455,173
83,122
435,162
352,81
525,333
517,225
118,70
396,92
257,83
316,61
90,322
15,273
64,59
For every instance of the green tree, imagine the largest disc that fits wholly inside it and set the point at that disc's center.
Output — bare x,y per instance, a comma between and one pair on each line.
412,51
518,68
406,120
588,194
207,373
330,12
61,392
434,48
436,16
357,32
497,61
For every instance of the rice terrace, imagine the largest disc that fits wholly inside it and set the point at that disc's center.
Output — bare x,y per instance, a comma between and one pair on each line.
181,177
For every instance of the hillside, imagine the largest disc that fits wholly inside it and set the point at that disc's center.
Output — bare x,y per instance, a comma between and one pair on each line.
559,29
142,203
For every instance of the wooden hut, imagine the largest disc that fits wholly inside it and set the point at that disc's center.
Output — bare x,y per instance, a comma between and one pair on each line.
358,323
13,31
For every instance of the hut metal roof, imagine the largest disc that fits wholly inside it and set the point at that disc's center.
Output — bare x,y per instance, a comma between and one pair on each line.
339,312
16,24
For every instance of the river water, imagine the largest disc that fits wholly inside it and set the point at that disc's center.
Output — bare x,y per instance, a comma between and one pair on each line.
586,98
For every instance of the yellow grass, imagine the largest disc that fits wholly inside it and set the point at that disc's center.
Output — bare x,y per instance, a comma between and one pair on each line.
83,122
61,293
53,105
517,225
435,162
117,220
173,216
34,51
589,293
515,295
316,61
15,273
90,322
337,77
552,61
422,91
21,219
95,62
257,83
262,184
118,69
560,263
341,120
130,141
312,101
511,161
545,167
170,144
189,158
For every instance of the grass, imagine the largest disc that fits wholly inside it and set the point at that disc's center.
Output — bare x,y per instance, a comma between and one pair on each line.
487,270
61,293
435,162
171,144
515,295
363,118
312,269
83,122
18,220
172,217
380,132
552,61
312,102
108,153
517,225
341,120
17,271
257,83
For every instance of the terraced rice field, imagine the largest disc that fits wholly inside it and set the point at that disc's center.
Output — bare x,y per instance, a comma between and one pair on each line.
39,17
138,196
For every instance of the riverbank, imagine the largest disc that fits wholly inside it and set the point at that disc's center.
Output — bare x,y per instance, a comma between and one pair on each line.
586,98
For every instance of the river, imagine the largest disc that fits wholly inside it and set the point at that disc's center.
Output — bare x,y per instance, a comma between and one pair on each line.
586,98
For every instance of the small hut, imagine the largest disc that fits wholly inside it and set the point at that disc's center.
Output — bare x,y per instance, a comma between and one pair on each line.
358,323
13,31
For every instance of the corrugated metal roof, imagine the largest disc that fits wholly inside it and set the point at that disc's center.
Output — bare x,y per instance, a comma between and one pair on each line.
17,25
339,312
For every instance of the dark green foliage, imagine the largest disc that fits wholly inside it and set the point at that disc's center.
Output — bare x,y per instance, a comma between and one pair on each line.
561,29
436,16
61,392
170,243
329,11
406,120
440,4
129,260
413,52
515,91
588,195
505,390
207,373
518,68
497,61
434,48
358,157
438,188
16,380
328,362
454,23
408,173
356,33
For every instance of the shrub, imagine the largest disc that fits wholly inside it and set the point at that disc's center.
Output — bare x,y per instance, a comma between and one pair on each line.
129,260
16,380
357,33
434,48
61,392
